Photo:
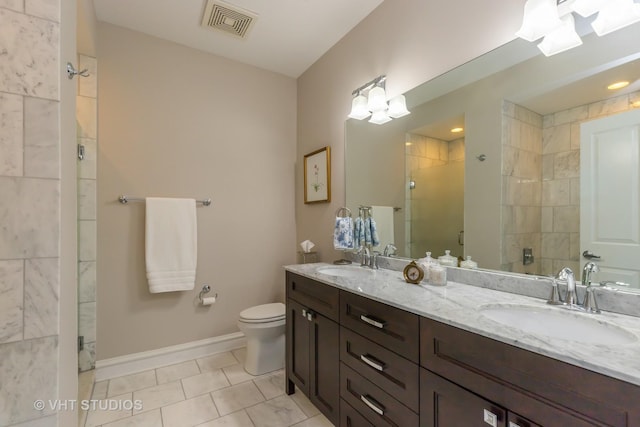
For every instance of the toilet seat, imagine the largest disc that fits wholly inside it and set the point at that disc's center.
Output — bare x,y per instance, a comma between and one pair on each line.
263,313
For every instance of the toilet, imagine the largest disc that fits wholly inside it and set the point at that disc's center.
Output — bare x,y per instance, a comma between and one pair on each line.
263,326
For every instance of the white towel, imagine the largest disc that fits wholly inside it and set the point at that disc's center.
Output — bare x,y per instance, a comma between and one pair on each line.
384,223
171,245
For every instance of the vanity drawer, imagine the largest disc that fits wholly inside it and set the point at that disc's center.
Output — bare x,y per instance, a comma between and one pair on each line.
388,326
349,417
314,295
545,390
394,374
377,406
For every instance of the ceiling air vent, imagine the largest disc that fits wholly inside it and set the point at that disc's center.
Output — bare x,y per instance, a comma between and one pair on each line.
228,18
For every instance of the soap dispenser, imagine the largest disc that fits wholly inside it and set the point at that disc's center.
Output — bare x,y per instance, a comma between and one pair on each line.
447,259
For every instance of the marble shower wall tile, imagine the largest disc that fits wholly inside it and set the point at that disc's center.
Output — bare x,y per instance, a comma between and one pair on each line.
47,9
87,240
11,134
41,291
29,372
17,5
30,49
41,138
86,199
87,281
30,221
11,300
87,321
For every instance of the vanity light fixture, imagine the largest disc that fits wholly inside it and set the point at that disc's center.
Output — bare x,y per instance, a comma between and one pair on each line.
618,85
375,103
554,20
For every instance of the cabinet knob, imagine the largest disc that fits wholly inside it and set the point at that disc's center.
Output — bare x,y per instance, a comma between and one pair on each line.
368,401
308,314
374,322
490,418
373,362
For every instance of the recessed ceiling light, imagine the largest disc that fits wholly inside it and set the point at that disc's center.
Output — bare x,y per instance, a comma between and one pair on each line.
456,130
407,143
618,85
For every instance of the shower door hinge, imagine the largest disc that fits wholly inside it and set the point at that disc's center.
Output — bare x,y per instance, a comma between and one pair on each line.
80,152
80,342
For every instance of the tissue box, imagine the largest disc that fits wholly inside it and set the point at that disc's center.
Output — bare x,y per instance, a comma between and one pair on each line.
308,257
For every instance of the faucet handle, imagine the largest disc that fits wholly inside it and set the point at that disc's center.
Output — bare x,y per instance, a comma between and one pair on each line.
554,298
590,303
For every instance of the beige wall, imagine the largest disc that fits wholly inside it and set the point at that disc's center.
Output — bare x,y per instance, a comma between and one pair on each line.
410,41
177,122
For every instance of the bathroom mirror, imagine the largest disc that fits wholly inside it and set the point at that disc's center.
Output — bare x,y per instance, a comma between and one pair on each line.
519,170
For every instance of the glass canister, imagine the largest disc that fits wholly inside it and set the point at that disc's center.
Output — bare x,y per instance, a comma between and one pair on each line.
438,275
467,263
425,263
447,259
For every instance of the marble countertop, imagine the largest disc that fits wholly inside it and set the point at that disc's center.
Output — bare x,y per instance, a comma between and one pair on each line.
460,305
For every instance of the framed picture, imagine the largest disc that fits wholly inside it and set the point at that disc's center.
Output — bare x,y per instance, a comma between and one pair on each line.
317,176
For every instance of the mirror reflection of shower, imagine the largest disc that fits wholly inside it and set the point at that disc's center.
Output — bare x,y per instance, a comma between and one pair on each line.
434,160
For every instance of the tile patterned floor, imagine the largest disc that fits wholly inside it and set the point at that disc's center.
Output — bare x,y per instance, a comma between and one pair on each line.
214,391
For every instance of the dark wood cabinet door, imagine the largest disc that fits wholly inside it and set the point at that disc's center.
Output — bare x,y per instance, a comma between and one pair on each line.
324,391
444,404
298,346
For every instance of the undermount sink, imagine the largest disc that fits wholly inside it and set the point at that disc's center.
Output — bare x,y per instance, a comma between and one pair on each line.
345,271
558,323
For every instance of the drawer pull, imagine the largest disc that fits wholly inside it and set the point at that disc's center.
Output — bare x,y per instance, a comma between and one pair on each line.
374,363
372,405
374,322
512,424
490,418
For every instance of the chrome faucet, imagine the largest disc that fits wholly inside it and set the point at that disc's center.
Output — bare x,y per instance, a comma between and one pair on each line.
566,275
590,304
366,254
373,260
589,267
389,250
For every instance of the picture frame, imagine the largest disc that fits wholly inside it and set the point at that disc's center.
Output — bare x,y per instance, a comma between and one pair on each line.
317,176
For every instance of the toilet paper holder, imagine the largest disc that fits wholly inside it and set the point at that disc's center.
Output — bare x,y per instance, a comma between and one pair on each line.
205,290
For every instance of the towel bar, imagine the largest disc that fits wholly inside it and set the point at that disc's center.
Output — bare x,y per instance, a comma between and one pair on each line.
126,199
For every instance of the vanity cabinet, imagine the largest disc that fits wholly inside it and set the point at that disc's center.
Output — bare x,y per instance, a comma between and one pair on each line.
312,348
365,363
529,388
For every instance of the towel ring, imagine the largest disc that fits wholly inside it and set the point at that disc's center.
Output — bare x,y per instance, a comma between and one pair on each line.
346,210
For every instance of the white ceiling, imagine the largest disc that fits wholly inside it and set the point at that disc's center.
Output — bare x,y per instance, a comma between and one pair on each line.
287,37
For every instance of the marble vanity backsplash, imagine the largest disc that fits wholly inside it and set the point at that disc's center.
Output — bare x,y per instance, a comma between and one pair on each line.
616,301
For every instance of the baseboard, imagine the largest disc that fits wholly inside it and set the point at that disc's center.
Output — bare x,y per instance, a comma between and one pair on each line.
138,362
